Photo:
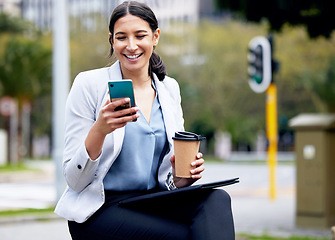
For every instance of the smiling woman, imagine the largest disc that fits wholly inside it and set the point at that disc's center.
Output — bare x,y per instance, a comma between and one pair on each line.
109,157
133,44
145,28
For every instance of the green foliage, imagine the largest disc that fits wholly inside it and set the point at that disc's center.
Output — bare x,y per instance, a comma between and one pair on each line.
306,68
27,212
17,26
208,60
89,50
11,24
267,237
14,168
216,94
25,70
322,85
25,74
316,15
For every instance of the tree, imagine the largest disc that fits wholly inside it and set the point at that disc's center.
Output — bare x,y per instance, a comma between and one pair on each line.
25,71
216,94
322,85
12,24
25,74
316,15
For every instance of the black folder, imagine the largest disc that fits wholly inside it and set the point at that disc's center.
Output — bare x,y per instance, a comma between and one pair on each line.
165,194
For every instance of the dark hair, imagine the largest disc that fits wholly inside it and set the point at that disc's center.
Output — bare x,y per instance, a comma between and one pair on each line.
142,11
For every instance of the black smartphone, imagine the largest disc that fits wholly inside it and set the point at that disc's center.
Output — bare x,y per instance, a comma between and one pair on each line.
122,89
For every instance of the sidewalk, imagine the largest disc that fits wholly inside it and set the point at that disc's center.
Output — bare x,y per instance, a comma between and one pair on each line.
253,212
28,189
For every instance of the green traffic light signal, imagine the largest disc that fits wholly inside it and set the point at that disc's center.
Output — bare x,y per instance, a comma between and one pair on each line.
258,79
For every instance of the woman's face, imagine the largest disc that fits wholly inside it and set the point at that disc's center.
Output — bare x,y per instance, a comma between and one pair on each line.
133,43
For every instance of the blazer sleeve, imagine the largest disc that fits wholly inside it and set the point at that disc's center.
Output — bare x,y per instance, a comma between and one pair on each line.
79,169
174,121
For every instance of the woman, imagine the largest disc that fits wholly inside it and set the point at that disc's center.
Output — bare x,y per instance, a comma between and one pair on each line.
109,157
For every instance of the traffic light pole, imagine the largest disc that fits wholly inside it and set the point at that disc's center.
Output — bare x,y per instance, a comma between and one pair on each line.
271,132
260,70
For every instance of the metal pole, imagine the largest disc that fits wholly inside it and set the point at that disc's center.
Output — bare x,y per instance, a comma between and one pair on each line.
271,131
60,86
13,133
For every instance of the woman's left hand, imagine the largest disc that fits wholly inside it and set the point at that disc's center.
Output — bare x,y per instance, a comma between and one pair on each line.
195,173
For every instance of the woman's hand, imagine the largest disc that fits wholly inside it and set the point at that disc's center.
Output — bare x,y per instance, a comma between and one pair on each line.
108,120
196,173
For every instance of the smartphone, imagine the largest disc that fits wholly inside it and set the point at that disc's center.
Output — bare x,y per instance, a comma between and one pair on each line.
122,89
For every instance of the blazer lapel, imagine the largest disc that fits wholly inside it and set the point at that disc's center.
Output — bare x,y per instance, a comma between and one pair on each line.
167,105
114,73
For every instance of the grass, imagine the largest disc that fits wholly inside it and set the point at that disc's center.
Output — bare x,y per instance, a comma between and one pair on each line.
41,212
14,168
26,212
22,165
211,159
47,211
266,237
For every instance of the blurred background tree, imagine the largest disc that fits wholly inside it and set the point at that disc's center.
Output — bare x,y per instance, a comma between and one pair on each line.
216,93
316,15
25,70
309,65
10,24
208,59
25,76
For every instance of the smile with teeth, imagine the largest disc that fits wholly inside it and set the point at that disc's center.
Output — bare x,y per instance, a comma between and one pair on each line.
133,56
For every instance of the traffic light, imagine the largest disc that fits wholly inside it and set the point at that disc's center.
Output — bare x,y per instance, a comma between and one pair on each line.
259,69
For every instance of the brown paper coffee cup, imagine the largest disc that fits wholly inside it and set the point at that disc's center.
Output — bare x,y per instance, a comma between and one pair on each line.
186,147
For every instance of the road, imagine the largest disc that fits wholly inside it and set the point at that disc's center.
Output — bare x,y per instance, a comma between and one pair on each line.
254,212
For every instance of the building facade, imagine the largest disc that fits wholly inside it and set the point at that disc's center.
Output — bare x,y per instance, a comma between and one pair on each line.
89,12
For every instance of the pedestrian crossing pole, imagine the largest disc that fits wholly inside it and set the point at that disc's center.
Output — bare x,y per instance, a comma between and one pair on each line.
260,72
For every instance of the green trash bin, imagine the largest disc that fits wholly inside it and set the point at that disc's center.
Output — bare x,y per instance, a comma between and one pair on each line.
315,159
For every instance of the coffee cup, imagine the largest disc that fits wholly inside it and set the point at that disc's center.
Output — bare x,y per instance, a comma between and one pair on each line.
186,148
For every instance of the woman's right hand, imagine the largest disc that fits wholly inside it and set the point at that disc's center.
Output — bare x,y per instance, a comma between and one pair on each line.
108,120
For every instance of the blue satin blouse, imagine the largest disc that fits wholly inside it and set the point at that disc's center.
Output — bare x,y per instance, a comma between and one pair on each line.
143,149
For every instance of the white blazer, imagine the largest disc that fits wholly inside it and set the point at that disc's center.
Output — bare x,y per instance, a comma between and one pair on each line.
85,192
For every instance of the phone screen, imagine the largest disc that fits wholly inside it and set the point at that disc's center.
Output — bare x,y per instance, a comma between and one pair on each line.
122,89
